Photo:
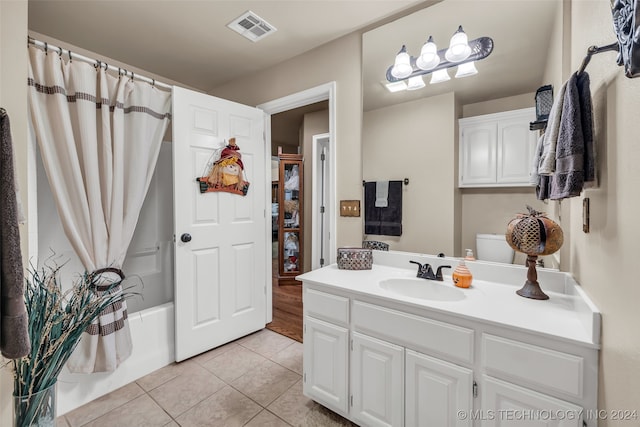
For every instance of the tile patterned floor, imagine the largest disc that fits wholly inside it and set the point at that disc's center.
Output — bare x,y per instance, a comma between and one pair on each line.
255,381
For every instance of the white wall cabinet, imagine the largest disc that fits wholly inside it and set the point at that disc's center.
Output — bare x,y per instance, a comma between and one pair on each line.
496,150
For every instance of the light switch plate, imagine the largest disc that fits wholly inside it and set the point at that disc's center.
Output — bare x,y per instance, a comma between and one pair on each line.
349,207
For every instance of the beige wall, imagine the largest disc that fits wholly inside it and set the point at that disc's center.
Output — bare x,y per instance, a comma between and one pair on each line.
13,98
525,100
338,61
313,124
603,260
416,140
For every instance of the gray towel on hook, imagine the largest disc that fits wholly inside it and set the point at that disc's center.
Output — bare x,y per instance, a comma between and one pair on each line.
14,323
575,154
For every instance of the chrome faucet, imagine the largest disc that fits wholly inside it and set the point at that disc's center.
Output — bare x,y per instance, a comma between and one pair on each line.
426,272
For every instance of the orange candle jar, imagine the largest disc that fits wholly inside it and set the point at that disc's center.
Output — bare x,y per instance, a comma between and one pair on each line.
462,277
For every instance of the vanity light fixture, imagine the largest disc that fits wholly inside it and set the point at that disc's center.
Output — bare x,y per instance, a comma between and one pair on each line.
398,86
467,69
415,82
402,66
440,76
461,53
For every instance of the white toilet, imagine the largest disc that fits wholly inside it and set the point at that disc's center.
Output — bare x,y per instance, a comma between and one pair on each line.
493,247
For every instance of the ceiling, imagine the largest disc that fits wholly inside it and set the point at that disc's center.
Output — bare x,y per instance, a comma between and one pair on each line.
189,42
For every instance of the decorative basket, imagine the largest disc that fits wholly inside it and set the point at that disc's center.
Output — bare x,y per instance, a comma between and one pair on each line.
374,244
355,258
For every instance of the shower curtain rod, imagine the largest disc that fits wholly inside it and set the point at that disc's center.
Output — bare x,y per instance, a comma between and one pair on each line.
121,71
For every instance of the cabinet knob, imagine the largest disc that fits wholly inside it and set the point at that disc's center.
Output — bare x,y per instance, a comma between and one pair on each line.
186,237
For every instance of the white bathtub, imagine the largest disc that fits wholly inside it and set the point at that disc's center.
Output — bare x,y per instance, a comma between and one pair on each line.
152,332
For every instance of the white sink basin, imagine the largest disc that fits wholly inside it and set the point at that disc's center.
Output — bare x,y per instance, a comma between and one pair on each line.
422,288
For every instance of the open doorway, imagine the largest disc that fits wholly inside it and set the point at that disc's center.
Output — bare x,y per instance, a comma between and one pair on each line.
309,102
293,136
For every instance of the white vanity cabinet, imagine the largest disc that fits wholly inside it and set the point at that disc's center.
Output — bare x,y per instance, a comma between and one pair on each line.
380,363
496,150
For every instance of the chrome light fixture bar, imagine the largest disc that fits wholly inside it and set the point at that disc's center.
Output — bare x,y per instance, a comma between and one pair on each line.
459,54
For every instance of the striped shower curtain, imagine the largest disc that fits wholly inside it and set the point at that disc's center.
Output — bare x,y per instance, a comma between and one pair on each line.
99,137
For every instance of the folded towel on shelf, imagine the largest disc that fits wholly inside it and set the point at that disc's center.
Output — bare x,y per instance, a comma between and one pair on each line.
385,221
575,158
382,194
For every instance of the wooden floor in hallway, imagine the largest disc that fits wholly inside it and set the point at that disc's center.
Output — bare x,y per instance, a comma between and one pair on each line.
287,308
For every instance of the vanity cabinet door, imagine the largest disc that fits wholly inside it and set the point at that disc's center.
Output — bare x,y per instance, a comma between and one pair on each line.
436,391
377,382
478,153
325,362
508,405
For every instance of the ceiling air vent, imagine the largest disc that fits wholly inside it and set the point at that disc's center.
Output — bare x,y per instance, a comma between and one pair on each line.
251,26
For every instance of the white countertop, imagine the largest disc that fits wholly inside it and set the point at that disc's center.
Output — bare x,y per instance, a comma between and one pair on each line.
568,313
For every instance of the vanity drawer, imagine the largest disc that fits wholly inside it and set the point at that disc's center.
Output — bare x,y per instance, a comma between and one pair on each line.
326,306
429,336
540,367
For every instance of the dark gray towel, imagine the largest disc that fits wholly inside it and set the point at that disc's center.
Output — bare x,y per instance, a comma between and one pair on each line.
575,160
383,221
14,331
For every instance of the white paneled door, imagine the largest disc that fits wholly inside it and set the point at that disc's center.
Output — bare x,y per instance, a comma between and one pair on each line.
220,240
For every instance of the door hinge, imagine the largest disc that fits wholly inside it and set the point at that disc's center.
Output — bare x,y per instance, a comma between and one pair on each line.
304,377
321,209
321,262
322,157
475,389
305,328
174,238
351,400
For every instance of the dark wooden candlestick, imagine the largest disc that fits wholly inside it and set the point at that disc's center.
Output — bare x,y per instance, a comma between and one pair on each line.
531,288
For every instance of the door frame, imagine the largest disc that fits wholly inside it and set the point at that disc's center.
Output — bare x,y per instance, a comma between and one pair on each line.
317,142
324,92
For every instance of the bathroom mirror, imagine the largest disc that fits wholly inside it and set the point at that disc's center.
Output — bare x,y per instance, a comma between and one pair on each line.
414,134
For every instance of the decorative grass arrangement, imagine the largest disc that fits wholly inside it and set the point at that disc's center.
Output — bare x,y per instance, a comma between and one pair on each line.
57,320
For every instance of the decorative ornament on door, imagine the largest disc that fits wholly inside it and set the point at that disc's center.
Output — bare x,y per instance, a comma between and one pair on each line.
226,172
